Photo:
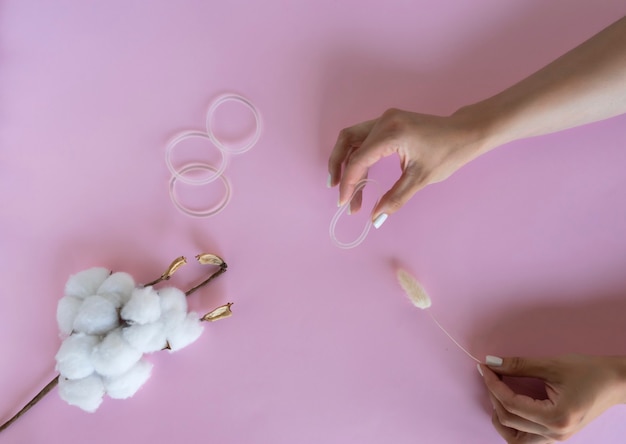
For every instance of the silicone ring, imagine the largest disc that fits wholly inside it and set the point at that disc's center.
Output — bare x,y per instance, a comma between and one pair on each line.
200,213
333,223
233,98
180,173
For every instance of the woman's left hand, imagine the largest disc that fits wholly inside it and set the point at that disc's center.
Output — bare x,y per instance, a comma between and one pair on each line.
579,388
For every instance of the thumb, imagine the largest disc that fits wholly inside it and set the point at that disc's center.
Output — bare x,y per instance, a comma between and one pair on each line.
521,367
409,183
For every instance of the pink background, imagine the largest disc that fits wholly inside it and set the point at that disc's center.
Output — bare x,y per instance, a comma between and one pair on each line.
522,252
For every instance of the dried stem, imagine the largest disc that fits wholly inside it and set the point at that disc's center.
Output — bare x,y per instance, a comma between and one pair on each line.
175,265
222,270
32,402
156,281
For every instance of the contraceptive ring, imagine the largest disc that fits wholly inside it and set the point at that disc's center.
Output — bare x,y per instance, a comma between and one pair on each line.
206,212
179,174
257,118
333,223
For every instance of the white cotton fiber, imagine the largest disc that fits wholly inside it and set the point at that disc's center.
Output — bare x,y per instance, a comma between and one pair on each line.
117,288
185,333
96,316
143,307
114,356
172,299
146,338
85,393
67,309
86,282
173,308
171,320
74,356
126,385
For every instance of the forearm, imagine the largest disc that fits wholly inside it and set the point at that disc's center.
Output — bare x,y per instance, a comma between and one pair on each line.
585,85
618,363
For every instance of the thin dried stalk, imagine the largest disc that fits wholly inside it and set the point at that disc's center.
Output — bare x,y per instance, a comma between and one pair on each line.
420,299
32,402
175,265
221,270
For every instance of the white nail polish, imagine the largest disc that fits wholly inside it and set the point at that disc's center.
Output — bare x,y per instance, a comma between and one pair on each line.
493,361
480,370
380,220
329,181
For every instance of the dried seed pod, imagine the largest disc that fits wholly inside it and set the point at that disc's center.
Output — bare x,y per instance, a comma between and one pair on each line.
209,259
175,265
220,312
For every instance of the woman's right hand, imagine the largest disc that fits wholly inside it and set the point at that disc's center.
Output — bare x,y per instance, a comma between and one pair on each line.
585,85
430,148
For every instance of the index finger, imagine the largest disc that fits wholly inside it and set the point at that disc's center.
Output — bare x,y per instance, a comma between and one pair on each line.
535,410
346,141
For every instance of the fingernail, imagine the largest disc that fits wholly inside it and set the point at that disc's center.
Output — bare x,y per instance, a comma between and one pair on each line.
329,181
338,202
493,361
480,370
380,219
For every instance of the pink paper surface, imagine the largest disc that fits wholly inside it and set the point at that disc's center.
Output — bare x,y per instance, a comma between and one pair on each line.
522,252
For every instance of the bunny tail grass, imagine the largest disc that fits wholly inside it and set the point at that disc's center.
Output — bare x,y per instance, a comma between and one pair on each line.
418,296
413,289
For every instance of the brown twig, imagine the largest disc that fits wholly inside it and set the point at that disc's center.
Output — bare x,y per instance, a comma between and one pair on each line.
44,391
175,265
156,281
222,270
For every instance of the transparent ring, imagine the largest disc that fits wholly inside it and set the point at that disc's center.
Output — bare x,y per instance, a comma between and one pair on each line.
368,225
179,174
206,212
257,117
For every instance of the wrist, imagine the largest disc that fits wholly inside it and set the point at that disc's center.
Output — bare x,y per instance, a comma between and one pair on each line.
483,126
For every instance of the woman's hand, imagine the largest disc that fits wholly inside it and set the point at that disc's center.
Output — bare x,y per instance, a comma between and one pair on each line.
430,148
579,388
585,85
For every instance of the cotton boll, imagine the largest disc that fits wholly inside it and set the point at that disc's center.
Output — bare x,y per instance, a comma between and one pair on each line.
117,288
143,307
67,309
85,393
86,282
146,338
114,356
185,333
116,299
74,356
173,307
172,299
96,316
171,320
126,385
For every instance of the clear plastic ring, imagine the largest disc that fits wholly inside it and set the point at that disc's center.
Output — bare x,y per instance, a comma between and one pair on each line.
179,174
209,125
206,212
368,225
